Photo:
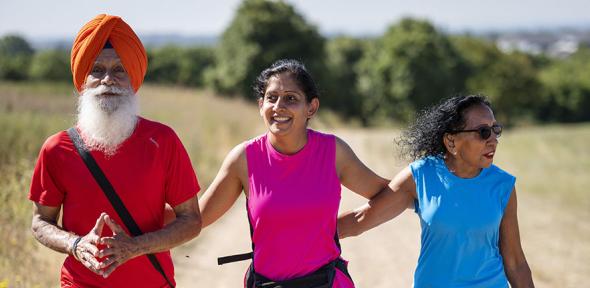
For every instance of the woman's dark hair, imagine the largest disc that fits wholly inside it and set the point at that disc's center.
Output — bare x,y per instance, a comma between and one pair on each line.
425,136
296,69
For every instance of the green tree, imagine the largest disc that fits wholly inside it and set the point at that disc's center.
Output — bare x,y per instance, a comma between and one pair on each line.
262,32
510,81
342,57
194,64
53,65
409,68
15,57
567,89
164,65
178,65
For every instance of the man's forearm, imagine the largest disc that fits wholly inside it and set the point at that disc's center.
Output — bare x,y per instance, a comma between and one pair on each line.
52,236
181,230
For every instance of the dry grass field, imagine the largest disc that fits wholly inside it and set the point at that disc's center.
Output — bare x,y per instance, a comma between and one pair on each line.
552,165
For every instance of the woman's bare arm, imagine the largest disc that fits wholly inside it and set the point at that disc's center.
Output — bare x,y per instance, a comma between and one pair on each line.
391,201
385,201
226,187
515,264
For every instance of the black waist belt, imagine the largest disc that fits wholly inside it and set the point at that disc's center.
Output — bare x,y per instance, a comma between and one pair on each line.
321,278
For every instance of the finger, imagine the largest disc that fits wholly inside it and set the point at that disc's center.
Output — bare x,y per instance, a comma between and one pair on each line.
113,225
89,248
106,252
90,267
91,263
97,229
109,241
109,261
106,272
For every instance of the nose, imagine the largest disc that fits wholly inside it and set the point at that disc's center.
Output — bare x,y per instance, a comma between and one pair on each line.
279,104
107,79
493,139
495,135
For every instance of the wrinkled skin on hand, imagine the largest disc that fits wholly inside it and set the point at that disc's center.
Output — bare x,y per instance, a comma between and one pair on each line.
87,251
120,248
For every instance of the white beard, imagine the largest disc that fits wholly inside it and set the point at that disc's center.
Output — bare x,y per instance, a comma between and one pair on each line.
106,121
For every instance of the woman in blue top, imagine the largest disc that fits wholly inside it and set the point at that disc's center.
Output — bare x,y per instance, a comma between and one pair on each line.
466,205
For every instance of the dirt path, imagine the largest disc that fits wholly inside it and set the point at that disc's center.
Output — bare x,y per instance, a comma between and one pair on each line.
556,240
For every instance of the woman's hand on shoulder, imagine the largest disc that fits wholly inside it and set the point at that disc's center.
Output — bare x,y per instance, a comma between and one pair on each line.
391,201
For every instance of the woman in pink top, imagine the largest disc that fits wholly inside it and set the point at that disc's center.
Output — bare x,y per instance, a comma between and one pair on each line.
291,177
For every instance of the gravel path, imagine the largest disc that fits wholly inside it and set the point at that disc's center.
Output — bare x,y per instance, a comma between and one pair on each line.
556,240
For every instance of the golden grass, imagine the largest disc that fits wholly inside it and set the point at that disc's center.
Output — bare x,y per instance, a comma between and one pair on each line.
552,161
209,127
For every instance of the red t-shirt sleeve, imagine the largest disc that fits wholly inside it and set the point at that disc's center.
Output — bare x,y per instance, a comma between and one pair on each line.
181,181
43,189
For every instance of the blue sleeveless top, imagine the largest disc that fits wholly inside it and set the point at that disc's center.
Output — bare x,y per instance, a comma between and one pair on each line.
460,220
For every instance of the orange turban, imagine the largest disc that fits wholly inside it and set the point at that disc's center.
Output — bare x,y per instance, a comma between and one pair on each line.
92,38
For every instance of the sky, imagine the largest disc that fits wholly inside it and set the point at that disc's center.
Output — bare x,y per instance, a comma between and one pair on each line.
63,18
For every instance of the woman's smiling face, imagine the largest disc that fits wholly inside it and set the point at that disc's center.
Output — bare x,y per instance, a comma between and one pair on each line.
284,106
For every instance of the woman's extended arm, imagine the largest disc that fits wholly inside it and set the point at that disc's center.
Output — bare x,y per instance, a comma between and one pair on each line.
385,201
226,187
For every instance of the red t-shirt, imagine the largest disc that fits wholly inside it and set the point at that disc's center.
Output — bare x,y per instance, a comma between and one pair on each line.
150,168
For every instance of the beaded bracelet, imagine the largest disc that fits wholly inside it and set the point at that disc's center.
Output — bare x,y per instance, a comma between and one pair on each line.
74,246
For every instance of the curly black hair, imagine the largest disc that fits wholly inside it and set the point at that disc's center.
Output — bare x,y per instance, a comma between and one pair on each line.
293,67
425,136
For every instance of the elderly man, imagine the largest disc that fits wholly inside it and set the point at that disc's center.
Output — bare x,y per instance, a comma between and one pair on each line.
143,162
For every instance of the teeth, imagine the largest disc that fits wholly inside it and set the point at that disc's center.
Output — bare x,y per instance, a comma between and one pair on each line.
281,118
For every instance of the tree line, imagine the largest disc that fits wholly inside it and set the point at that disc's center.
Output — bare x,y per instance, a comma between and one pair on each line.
411,66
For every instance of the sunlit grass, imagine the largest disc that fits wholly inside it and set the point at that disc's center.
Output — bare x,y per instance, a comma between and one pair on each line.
209,127
551,161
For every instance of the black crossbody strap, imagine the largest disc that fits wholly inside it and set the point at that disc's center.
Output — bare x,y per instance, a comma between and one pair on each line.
243,256
234,258
110,193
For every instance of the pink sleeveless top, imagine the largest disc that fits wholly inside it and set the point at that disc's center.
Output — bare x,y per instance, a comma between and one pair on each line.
293,207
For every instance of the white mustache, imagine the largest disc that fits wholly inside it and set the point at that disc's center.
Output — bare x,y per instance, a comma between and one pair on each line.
103,89
106,121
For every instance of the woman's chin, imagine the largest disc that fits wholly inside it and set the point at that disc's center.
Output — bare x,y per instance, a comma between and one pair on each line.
487,162
279,128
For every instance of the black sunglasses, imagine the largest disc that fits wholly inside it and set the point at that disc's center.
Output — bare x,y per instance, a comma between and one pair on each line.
484,132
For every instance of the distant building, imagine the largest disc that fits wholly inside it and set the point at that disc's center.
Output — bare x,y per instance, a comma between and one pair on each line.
558,44
564,47
511,44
